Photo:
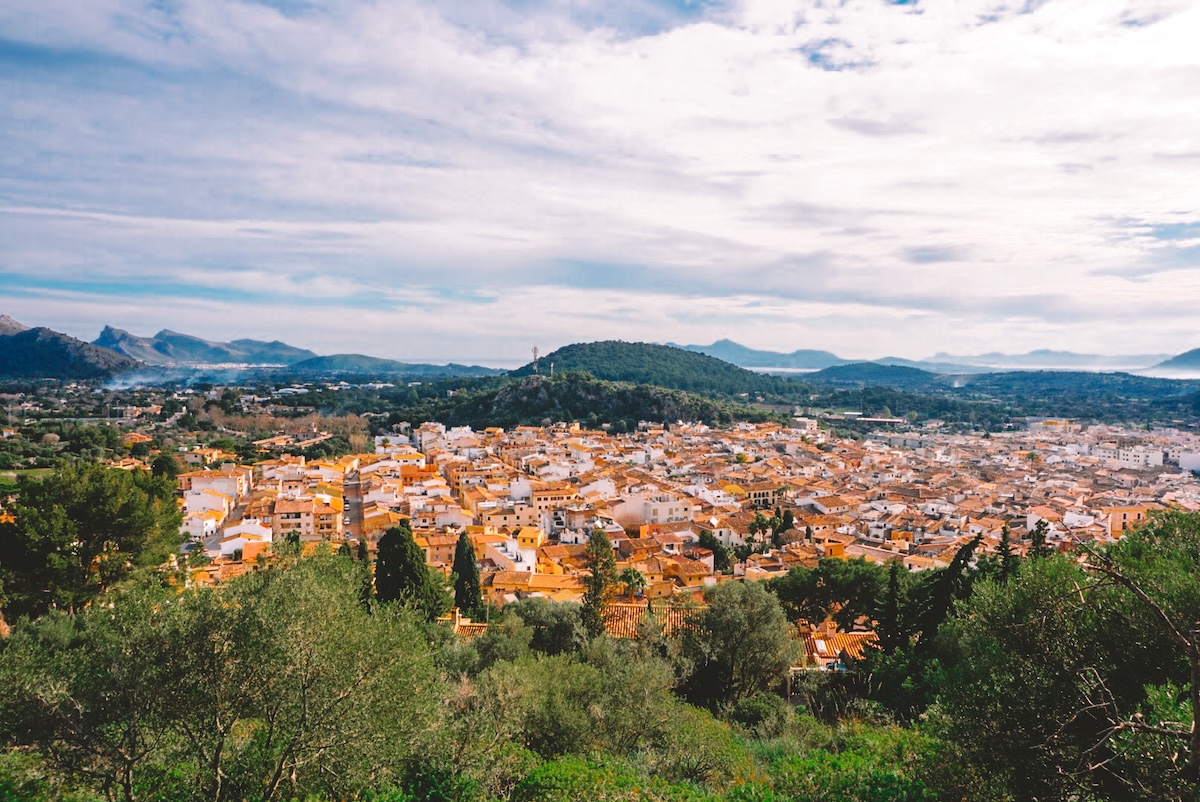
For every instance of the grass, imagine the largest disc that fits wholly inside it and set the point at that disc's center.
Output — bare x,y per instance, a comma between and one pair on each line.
8,479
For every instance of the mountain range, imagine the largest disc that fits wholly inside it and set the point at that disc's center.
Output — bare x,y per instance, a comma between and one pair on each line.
40,353
43,353
172,348
1042,359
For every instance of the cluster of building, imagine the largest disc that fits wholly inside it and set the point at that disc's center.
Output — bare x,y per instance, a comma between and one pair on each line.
530,497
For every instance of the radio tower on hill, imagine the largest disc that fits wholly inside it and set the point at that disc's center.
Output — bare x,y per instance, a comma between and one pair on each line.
535,359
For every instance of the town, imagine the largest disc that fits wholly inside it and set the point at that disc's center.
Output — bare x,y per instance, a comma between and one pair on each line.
685,506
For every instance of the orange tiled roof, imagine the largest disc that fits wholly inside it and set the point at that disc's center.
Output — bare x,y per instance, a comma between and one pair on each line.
621,620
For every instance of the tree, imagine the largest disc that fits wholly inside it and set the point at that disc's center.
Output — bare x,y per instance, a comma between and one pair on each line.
467,594
845,589
739,647
1082,679
402,575
557,627
633,580
1038,547
165,465
890,631
720,553
275,685
1008,559
598,583
81,530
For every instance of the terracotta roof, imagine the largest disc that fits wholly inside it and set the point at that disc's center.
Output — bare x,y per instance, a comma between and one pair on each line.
621,620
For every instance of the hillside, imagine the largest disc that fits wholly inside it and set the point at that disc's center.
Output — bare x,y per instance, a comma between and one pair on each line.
872,374
659,365
738,354
1188,360
532,400
41,353
10,326
361,365
172,348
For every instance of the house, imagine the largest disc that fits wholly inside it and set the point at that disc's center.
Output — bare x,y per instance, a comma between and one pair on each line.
826,649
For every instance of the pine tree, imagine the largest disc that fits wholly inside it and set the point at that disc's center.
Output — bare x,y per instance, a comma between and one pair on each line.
1038,547
598,557
1008,558
890,636
467,595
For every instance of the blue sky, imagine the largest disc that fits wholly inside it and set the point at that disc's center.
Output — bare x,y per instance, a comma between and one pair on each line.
461,179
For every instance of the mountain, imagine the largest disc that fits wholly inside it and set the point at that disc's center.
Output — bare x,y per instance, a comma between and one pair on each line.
534,399
172,348
1045,359
932,367
1188,360
374,366
660,365
740,355
41,353
873,374
10,326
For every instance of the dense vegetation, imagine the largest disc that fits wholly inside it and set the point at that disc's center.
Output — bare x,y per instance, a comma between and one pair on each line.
534,400
1056,677
662,366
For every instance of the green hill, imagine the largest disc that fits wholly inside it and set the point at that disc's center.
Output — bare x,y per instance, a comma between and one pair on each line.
660,365
872,374
531,400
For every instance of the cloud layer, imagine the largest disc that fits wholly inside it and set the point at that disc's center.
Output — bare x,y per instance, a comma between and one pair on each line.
459,180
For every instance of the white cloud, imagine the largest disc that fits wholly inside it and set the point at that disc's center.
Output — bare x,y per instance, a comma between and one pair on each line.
946,173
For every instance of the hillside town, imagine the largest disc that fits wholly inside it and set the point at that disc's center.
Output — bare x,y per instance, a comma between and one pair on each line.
771,497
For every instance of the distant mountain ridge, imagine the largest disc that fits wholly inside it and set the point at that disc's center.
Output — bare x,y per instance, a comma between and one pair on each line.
1048,358
173,348
42,353
371,365
941,362
1188,360
740,355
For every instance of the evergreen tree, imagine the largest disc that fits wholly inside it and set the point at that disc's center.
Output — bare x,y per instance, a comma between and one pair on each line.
602,566
720,553
80,530
889,629
467,595
362,554
1038,547
402,575
1008,558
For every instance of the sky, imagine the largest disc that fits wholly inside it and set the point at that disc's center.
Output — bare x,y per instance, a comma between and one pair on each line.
461,180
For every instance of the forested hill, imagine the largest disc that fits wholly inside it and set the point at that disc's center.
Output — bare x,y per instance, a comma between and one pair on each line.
533,400
660,365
